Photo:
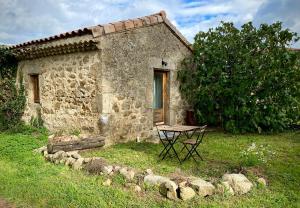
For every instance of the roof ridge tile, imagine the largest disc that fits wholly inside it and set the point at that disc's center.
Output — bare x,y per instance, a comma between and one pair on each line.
100,30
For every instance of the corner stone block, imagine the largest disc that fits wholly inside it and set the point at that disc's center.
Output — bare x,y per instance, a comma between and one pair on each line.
153,19
97,31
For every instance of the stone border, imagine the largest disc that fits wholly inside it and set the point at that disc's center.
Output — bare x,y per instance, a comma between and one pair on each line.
230,184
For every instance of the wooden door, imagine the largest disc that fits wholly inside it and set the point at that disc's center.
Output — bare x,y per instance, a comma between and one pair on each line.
160,96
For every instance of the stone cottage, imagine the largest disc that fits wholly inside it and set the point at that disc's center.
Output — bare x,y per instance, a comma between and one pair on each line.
114,80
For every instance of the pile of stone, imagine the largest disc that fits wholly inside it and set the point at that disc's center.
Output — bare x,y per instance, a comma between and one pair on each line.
72,158
230,183
185,189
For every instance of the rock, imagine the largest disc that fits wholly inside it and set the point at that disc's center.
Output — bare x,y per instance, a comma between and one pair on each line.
107,169
71,153
116,168
155,179
149,172
50,157
86,160
137,188
96,166
202,187
63,161
182,184
168,189
45,153
128,174
262,181
58,155
139,178
75,155
123,171
41,150
70,161
77,165
186,193
107,182
238,182
224,188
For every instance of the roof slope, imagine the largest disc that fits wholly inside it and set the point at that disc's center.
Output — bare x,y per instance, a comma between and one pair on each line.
100,30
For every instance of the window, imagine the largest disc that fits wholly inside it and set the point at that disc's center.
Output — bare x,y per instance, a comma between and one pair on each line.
35,87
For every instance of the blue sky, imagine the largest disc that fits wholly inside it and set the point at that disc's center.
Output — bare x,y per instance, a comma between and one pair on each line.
24,20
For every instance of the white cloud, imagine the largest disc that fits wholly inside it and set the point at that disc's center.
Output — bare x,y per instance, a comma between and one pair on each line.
23,20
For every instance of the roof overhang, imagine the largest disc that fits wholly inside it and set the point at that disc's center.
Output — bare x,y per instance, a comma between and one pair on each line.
39,48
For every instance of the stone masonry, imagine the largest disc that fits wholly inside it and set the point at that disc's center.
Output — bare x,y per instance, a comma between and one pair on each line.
107,91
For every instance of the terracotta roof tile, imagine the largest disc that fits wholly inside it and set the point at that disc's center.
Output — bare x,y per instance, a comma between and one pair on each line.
146,20
37,52
137,23
101,30
119,26
129,24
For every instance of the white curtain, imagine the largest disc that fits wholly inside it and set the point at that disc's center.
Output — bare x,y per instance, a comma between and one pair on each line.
157,90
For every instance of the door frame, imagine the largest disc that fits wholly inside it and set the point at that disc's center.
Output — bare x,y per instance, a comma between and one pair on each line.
166,94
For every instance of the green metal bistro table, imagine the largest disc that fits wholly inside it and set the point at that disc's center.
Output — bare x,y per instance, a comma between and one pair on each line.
175,131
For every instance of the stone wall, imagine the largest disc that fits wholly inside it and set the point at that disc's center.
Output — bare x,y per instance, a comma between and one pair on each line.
113,84
67,91
128,62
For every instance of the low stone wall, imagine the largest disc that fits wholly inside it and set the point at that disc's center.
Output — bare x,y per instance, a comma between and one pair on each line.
183,188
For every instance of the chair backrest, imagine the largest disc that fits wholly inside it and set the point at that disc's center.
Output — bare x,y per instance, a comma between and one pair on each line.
200,133
161,135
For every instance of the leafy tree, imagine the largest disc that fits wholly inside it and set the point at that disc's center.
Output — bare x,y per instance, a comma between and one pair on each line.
8,63
12,99
245,80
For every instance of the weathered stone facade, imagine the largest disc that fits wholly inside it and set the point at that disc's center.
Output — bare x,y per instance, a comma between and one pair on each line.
108,91
127,79
67,91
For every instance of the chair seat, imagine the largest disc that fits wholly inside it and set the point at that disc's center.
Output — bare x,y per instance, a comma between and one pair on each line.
190,141
167,139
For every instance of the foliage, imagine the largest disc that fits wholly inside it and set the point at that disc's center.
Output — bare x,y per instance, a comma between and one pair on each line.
12,98
244,80
37,121
8,63
255,155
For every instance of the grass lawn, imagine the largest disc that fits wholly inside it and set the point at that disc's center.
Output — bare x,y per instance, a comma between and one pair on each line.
28,181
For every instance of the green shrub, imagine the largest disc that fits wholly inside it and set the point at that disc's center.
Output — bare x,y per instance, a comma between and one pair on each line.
243,80
12,98
37,122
